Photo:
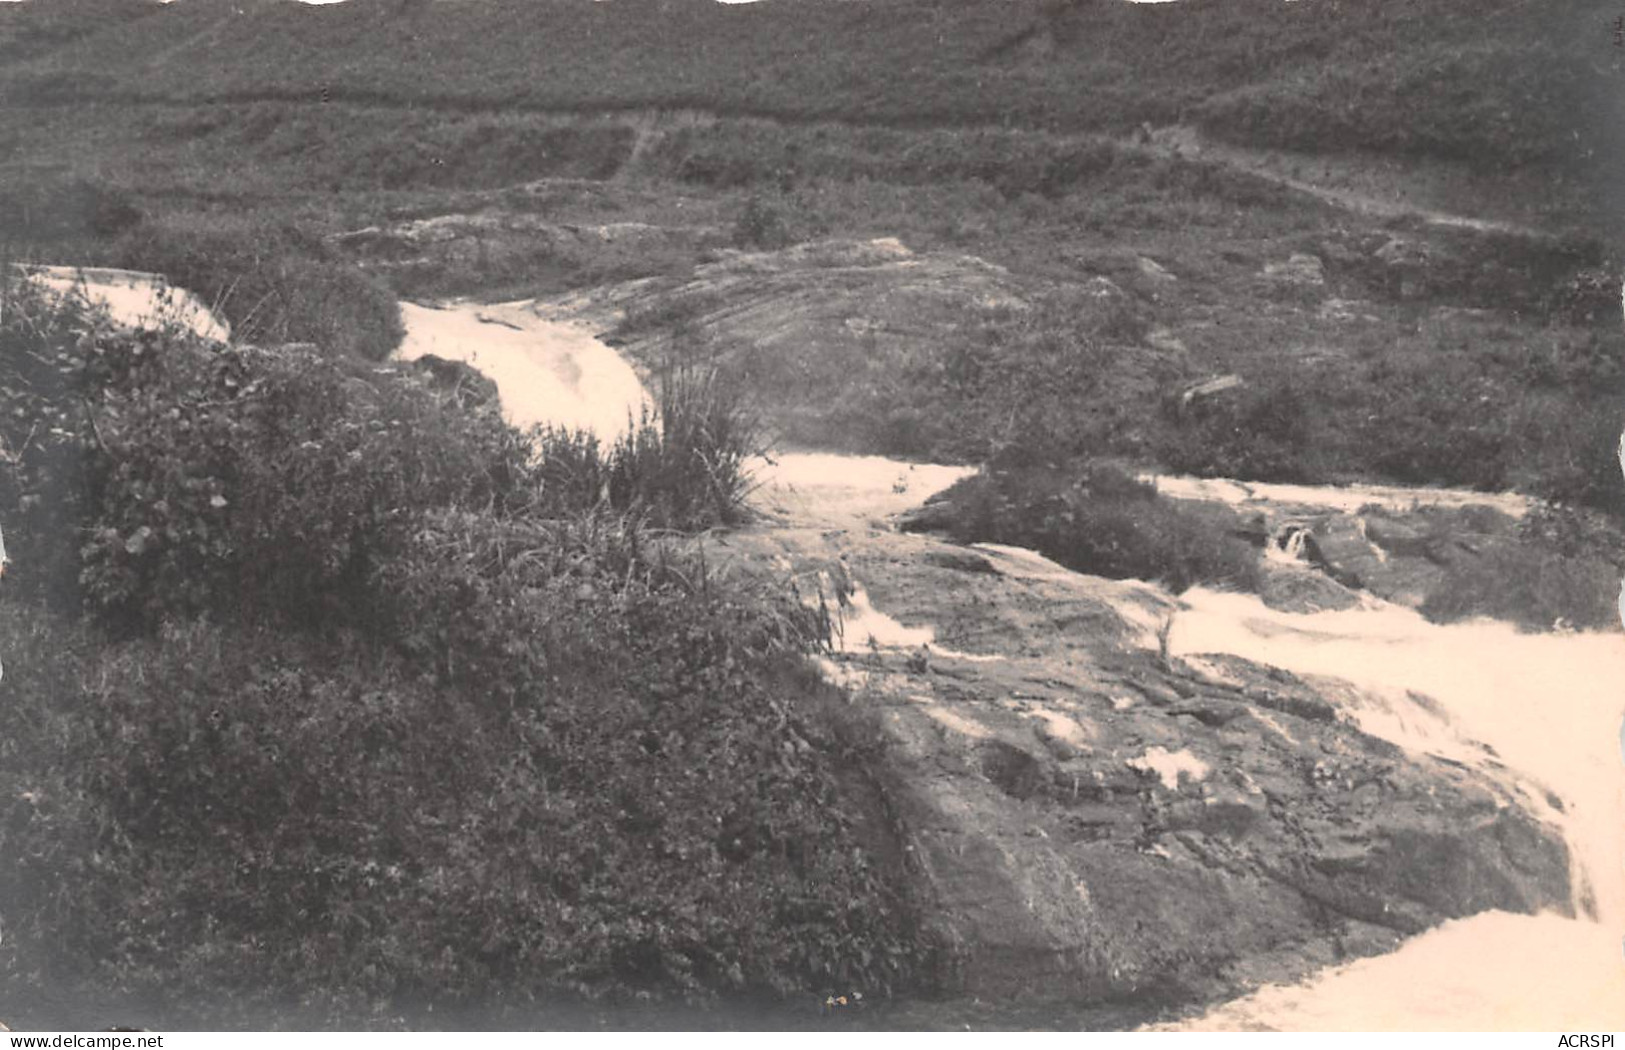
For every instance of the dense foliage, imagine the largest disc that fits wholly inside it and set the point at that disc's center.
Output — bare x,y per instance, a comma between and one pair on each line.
1534,587
271,285
381,728
1096,519
153,476
272,282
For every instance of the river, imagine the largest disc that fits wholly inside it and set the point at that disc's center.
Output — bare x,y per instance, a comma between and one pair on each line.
1547,707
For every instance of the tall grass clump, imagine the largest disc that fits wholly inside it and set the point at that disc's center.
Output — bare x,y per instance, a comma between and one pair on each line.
686,465
319,715
683,464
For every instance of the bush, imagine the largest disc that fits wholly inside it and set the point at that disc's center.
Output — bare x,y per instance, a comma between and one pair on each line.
427,747
1098,520
159,476
1262,434
272,285
260,830
1576,454
1531,587
760,225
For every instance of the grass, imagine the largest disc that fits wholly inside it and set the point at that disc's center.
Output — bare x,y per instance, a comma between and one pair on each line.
1492,83
272,285
270,280
683,465
326,710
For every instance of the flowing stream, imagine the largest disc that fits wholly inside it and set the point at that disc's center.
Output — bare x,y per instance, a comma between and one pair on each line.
1545,712
1548,707
546,371
130,297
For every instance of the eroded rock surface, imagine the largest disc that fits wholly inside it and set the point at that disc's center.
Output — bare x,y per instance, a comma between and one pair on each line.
500,238
1091,817
1382,547
824,300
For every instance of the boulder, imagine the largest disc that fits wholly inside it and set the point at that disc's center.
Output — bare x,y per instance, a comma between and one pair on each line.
1299,269
1405,266
1402,253
1346,310
1304,590
1150,268
1104,288
1165,340
1209,388
1087,818
1349,555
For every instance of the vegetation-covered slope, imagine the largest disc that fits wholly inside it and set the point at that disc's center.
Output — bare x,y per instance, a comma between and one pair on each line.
1500,82
326,704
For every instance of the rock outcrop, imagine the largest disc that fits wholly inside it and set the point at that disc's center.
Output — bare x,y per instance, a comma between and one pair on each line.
821,297
500,239
1092,818
1396,544
811,329
1300,269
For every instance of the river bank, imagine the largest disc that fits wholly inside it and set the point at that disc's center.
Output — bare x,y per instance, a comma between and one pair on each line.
1425,689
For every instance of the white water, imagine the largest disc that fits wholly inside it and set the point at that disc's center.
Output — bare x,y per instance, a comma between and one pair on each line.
546,371
1346,498
830,488
131,298
1490,972
1551,706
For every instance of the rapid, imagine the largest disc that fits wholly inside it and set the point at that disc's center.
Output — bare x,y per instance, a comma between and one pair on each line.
1541,713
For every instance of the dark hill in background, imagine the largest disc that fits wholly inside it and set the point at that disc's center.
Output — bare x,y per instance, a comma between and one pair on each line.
1504,84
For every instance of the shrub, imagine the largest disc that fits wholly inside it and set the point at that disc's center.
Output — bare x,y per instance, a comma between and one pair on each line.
272,285
1531,587
1260,434
1098,520
266,831
159,476
1577,456
760,225
506,760
1045,381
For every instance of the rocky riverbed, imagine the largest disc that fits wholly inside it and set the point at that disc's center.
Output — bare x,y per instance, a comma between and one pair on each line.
1110,793
1186,805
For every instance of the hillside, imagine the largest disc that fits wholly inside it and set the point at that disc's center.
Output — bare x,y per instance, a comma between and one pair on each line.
1503,84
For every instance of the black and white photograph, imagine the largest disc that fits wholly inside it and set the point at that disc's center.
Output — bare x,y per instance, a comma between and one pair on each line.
812,516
